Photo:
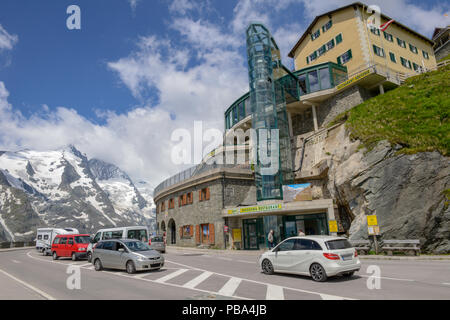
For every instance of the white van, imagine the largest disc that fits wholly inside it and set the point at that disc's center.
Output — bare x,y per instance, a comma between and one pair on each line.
45,237
138,233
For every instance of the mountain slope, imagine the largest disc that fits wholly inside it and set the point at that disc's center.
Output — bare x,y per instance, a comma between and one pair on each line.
60,189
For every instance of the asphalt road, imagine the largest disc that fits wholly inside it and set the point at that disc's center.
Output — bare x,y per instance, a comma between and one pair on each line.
24,274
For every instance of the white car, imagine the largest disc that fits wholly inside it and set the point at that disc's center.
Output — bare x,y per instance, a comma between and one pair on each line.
317,256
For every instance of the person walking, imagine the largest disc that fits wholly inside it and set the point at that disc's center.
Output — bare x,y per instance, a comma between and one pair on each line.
270,239
301,233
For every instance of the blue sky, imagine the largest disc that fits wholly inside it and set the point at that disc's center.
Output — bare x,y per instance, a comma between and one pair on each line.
139,69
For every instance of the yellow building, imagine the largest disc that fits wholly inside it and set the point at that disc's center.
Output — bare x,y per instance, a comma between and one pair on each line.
342,36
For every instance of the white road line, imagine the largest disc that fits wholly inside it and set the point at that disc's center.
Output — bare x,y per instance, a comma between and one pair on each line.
171,275
197,280
15,261
141,275
253,281
29,286
330,297
244,261
446,283
85,265
396,279
230,287
274,292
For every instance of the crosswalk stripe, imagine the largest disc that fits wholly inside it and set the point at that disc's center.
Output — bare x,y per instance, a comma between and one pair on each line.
196,281
85,265
330,297
274,292
171,275
230,287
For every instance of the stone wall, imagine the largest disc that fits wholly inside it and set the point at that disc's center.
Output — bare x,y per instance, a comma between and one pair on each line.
302,122
442,52
331,108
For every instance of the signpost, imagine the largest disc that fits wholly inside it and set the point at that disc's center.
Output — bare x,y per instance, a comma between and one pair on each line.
373,229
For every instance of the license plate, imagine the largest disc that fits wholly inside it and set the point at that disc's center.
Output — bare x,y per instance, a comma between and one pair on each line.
347,257
154,265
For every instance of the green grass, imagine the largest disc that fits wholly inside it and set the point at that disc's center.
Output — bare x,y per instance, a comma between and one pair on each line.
414,115
446,58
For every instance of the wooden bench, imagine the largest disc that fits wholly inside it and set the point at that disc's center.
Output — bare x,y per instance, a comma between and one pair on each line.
411,247
362,246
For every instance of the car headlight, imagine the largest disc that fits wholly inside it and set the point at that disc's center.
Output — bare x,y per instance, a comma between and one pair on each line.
81,249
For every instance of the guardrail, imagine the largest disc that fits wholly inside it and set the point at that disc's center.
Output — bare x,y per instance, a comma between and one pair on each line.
18,244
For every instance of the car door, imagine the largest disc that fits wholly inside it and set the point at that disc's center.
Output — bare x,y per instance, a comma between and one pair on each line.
283,258
115,256
61,251
302,255
70,246
106,253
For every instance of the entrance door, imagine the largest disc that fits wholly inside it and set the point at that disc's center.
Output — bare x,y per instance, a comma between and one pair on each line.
205,233
253,234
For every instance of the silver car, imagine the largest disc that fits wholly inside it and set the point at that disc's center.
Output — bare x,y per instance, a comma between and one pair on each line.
157,243
317,256
129,255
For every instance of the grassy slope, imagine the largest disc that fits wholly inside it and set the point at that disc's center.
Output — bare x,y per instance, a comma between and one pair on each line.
414,115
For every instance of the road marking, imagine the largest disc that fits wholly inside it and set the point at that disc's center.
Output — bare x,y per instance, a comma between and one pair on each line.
274,292
253,281
396,279
446,283
29,286
15,261
330,297
227,259
141,275
85,265
230,287
171,275
244,261
197,280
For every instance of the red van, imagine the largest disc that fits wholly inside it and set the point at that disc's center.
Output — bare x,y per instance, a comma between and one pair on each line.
70,245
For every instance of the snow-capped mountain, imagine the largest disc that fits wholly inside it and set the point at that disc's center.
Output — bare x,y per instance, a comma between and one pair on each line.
62,188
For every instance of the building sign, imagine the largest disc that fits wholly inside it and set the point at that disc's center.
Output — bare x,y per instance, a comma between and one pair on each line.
297,192
353,79
262,208
237,235
372,220
333,226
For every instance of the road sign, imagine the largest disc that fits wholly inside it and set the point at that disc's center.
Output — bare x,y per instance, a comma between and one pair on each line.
333,226
373,230
372,220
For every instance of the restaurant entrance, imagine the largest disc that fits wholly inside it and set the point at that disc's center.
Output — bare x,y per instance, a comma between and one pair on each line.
253,234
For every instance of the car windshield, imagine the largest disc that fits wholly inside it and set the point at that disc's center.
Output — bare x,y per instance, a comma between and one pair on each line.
137,246
82,239
157,239
338,244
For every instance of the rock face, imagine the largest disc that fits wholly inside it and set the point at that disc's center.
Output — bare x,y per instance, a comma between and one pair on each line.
404,191
63,188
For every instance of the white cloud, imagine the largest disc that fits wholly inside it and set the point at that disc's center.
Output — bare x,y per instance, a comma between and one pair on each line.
133,4
181,6
7,41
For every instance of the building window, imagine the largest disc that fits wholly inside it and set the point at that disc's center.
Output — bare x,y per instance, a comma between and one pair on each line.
203,194
187,231
163,206
313,56
327,26
416,67
343,59
190,198
315,35
322,50
388,36
425,55
375,31
413,48
392,57
338,38
405,63
171,203
313,79
330,44
401,43
378,51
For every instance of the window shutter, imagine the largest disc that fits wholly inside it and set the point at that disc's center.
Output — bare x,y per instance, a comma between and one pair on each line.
191,230
211,234
200,195
350,53
181,232
339,60
207,194
197,234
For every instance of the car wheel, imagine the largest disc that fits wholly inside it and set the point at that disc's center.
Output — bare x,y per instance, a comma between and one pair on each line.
98,265
89,257
130,267
74,257
55,255
318,273
348,274
267,266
